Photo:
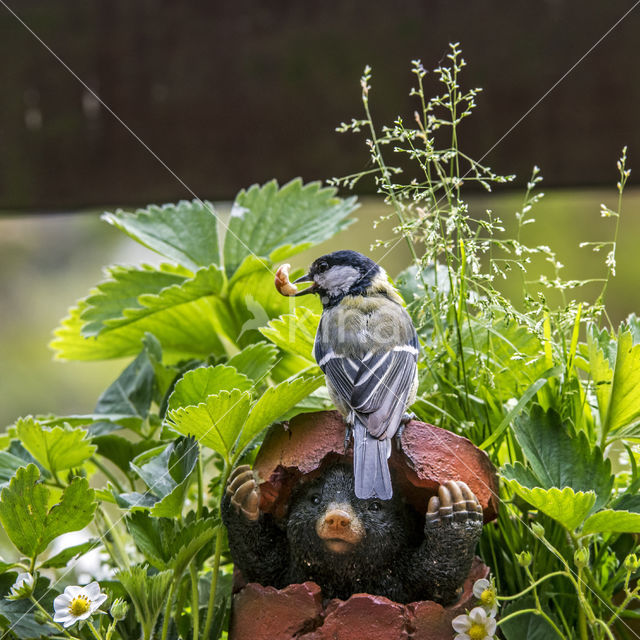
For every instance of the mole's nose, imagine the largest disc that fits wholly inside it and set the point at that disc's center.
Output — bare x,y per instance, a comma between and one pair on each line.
337,519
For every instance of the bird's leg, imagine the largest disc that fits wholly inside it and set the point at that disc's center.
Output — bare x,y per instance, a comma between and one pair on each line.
407,417
347,436
349,421
404,421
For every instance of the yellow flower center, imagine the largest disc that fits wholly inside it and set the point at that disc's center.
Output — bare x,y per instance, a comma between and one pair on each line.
488,597
79,605
477,631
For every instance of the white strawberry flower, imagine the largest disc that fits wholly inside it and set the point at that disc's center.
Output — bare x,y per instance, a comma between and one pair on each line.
22,587
485,591
475,625
77,603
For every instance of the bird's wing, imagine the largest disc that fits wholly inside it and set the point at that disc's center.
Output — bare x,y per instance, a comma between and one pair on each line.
376,386
382,388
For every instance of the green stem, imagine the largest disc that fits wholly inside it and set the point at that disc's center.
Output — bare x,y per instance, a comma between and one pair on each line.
50,618
95,632
107,473
200,493
167,610
536,612
110,630
214,583
226,471
121,555
534,585
195,601
623,605
606,628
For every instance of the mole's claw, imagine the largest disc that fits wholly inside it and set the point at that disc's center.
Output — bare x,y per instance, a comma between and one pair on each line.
446,501
433,510
459,502
251,510
238,479
243,491
468,496
479,514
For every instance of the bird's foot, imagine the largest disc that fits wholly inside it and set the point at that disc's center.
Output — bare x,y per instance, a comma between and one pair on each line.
348,432
407,417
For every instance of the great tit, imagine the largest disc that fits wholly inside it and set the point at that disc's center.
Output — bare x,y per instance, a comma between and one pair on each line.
367,347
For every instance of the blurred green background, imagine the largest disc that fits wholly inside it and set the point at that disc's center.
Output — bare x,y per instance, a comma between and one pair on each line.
47,262
231,93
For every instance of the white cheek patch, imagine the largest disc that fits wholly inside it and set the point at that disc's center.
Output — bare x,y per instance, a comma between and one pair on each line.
338,279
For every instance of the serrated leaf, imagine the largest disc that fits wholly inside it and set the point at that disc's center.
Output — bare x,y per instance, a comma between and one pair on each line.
62,559
627,502
121,291
167,475
290,219
121,451
254,300
147,592
600,369
526,626
154,537
27,519
19,615
9,464
216,422
255,360
184,331
567,506
54,448
186,232
132,392
559,459
167,545
294,332
135,293
196,385
624,402
273,404
191,539
612,521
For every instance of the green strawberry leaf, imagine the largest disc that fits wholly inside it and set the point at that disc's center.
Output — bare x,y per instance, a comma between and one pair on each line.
186,232
294,333
55,448
276,223
28,521
196,385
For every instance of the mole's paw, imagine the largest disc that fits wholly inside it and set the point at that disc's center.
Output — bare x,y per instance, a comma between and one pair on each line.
243,492
455,502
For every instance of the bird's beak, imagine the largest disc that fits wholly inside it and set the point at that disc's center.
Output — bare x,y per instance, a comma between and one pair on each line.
305,278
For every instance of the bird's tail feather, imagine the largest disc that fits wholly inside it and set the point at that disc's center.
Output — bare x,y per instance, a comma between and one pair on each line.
370,464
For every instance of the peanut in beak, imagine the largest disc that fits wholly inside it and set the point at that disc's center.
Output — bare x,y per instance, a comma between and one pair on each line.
283,285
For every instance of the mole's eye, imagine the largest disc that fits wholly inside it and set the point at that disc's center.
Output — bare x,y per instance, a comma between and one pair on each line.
315,499
375,506
322,266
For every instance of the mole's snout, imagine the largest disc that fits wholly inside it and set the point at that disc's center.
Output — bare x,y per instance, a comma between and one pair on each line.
339,527
337,520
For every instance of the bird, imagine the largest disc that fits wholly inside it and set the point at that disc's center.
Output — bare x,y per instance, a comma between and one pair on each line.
367,347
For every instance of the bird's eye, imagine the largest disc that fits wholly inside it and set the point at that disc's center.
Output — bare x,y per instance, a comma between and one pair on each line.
315,499
375,506
321,267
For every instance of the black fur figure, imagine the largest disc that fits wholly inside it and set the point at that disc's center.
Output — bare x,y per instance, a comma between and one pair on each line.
347,545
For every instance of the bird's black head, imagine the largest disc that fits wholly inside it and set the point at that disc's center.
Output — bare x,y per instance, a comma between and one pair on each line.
340,274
